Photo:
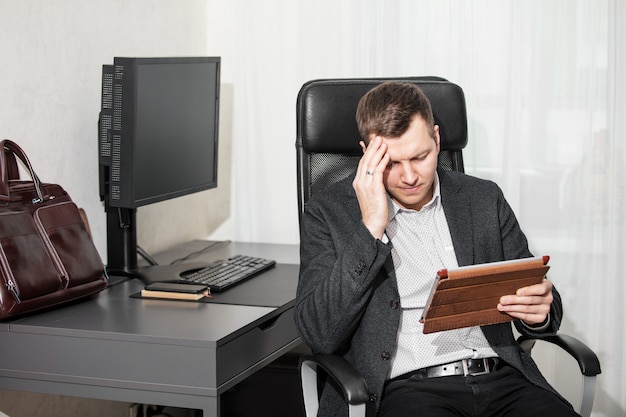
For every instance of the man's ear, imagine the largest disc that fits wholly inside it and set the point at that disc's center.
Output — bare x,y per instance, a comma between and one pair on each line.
364,143
437,138
363,146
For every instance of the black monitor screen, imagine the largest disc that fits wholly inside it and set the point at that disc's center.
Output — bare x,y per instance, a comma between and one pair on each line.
162,138
158,139
175,125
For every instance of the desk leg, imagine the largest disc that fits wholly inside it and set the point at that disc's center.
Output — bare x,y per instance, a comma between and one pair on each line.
210,408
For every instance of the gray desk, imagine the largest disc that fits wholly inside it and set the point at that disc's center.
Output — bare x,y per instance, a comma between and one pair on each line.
172,353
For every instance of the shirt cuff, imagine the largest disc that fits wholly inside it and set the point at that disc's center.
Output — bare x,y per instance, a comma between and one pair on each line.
538,327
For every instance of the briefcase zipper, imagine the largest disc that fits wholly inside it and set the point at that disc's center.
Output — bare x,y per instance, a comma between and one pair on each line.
10,283
13,288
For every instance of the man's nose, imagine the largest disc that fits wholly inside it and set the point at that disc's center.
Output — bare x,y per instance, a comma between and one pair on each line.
409,174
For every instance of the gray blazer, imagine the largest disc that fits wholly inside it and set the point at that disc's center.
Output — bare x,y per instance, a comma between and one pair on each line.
348,303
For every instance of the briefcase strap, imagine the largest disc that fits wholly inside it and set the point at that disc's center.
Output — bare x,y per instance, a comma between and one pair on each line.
9,170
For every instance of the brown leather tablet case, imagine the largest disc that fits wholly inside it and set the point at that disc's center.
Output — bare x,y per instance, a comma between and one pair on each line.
468,296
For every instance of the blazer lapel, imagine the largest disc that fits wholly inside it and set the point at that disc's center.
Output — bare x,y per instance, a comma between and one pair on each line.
458,210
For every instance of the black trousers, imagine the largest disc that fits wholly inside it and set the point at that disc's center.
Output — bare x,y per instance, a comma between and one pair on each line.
503,392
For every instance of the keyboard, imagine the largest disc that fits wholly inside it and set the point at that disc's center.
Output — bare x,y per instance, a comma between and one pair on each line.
223,274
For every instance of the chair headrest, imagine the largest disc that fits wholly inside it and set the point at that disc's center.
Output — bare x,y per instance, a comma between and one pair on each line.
327,109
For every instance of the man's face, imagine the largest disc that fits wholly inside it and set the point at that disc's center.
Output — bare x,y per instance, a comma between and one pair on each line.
410,175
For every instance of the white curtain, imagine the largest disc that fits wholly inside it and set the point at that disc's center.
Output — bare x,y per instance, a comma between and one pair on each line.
544,84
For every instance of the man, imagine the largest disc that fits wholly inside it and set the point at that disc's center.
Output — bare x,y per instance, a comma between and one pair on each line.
370,249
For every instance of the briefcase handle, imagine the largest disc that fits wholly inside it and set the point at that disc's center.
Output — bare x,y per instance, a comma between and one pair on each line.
9,171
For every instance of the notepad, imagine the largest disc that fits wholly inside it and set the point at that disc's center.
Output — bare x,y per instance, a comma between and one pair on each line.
175,291
468,296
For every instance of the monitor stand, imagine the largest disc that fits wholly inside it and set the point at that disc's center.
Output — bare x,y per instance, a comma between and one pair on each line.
122,251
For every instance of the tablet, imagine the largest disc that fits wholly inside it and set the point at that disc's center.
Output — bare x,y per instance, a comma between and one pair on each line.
468,296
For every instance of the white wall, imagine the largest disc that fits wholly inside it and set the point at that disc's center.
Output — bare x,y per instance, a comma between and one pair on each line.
52,53
51,56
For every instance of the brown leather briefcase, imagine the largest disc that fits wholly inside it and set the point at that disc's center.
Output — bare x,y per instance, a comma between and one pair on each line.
47,257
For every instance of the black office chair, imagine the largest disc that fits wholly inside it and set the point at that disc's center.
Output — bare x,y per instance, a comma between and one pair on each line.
328,151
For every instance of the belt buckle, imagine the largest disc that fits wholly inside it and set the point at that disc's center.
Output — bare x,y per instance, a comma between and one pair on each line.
467,372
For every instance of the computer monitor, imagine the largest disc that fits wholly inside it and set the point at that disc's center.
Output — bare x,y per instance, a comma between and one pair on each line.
157,140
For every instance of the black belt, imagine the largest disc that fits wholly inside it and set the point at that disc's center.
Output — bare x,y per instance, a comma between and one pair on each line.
463,367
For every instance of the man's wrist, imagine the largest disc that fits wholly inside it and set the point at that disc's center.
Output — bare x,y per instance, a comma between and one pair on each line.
538,327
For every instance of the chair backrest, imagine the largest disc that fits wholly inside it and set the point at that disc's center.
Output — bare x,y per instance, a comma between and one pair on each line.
327,143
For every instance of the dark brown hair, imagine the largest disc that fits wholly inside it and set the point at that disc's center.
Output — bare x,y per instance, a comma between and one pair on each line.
387,110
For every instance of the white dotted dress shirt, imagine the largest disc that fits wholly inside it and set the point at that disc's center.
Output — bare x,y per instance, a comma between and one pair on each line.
422,245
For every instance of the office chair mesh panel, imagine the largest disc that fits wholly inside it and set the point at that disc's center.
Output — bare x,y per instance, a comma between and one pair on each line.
329,168
446,162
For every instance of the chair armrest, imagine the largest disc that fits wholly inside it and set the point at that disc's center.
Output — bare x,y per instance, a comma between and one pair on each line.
586,358
343,373
587,362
